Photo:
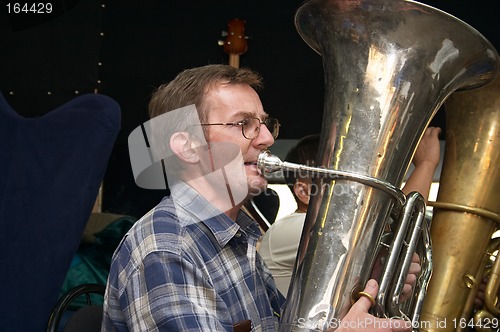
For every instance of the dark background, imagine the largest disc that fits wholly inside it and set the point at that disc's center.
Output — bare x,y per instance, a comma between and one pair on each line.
124,49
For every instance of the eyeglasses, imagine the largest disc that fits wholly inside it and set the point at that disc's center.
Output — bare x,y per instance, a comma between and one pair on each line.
250,127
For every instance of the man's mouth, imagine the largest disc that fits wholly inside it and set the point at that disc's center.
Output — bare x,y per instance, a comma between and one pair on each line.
253,165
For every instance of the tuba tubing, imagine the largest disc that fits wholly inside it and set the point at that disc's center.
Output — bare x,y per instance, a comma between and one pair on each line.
399,260
486,319
491,300
402,248
388,67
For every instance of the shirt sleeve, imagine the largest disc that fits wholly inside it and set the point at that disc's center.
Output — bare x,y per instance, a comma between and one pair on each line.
172,294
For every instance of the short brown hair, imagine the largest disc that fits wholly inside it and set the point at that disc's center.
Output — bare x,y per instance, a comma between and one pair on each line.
191,86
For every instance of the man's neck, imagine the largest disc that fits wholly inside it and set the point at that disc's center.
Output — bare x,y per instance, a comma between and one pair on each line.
220,198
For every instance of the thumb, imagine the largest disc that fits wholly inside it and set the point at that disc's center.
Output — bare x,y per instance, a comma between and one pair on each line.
436,131
363,303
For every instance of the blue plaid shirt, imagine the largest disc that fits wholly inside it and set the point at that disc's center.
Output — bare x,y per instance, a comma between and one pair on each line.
178,271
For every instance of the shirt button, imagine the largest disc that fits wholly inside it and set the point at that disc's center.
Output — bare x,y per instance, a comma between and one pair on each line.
238,234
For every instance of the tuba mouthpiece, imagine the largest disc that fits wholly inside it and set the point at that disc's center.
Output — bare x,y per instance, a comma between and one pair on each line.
268,163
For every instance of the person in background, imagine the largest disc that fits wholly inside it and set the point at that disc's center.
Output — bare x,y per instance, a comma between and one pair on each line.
190,264
280,243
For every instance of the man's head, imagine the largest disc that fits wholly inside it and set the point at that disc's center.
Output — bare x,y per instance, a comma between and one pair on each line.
304,153
226,100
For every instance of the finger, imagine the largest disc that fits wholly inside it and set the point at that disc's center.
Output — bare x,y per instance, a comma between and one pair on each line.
407,288
415,258
364,303
411,279
415,268
436,132
479,299
482,286
478,303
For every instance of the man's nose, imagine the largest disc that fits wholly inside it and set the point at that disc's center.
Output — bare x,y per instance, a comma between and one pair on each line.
265,136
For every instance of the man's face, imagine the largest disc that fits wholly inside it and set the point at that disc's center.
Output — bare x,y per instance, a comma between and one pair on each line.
234,103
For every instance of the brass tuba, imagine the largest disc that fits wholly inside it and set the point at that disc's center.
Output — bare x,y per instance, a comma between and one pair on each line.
466,213
388,66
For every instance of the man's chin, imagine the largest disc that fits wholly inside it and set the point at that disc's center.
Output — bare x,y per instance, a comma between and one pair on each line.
257,186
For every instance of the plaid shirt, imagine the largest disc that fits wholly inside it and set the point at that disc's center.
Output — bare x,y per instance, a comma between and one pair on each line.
176,271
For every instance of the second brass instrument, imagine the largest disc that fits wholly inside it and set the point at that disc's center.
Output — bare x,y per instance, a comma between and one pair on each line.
467,211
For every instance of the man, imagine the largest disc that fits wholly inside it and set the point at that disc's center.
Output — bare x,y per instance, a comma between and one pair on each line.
280,243
190,264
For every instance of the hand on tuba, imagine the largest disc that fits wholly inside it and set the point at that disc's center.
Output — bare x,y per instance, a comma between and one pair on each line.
411,278
358,318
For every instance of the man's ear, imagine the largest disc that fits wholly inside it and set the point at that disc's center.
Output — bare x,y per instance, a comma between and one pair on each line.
184,148
301,190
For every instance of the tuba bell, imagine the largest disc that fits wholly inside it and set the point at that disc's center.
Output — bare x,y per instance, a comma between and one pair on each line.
388,66
466,213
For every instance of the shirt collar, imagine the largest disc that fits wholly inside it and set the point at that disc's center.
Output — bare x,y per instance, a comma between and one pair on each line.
222,227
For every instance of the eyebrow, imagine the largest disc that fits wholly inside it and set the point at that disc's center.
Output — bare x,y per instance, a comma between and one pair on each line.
245,115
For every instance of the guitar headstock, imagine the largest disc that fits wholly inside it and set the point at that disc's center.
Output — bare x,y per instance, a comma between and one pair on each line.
236,41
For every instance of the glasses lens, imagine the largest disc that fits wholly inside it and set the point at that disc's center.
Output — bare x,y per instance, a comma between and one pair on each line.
251,128
273,126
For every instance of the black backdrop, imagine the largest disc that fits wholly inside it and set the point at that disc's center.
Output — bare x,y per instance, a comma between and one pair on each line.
125,49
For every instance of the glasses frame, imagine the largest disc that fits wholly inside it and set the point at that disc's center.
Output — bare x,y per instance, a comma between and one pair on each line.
242,124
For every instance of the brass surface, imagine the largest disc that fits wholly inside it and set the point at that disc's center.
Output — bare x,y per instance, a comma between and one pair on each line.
467,210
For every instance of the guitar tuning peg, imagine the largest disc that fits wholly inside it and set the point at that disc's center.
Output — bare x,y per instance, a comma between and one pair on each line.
220,42
224,33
